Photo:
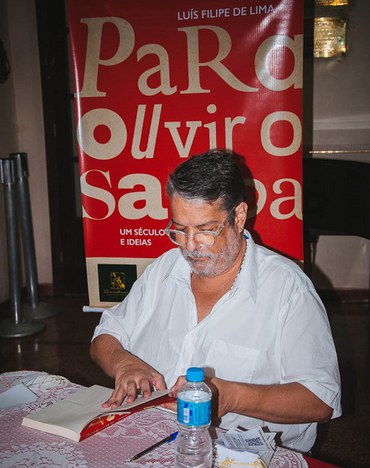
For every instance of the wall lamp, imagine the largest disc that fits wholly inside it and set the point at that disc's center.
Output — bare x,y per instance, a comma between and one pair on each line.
330,28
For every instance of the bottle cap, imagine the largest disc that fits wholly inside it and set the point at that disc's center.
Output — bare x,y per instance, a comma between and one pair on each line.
195,374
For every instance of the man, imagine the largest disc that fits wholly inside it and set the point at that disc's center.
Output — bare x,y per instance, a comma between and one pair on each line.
247,315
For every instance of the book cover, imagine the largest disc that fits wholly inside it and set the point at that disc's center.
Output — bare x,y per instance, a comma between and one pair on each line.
82,415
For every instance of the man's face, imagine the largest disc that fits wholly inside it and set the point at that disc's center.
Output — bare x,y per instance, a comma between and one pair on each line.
194,216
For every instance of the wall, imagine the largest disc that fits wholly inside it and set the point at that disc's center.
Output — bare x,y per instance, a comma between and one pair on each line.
21,127
7,138
341,119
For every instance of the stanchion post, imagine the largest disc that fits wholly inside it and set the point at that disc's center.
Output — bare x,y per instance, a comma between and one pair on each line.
7,172
16,326
29,256
38,310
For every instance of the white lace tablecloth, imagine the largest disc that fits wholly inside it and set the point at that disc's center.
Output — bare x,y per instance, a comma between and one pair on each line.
113,447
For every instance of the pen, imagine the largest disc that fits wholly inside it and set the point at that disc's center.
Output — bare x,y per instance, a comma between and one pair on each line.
170,438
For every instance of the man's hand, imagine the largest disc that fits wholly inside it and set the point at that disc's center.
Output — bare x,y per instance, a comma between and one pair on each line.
179,382
131,379
132,375
219,405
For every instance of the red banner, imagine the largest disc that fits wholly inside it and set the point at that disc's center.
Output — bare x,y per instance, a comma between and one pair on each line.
159,81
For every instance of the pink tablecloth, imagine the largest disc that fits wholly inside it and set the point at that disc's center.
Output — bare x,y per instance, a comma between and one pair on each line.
113,447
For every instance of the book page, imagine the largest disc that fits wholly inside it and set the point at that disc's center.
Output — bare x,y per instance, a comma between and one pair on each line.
139,401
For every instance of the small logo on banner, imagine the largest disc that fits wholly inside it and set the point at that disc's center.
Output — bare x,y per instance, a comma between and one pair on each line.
115,281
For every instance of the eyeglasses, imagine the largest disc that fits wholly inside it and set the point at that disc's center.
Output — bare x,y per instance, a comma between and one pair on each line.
206,238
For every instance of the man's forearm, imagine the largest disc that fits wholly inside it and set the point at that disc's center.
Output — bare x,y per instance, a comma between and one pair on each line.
130,373
290,403
107,352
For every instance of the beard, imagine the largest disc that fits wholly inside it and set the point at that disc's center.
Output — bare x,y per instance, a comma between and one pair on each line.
192,257
210,264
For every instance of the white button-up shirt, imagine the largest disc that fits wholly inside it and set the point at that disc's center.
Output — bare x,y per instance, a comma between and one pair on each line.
270,328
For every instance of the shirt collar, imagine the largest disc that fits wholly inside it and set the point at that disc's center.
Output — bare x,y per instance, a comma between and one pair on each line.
247,277
180,269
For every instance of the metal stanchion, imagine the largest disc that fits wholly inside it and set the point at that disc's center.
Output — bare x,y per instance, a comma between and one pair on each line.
38,310
18,325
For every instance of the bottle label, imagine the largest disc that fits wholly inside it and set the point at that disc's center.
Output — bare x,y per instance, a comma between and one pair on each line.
193,413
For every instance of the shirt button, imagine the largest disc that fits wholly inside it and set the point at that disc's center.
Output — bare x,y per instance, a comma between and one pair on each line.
183,371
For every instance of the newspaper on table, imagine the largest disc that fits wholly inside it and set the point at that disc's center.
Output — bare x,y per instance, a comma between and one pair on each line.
256,442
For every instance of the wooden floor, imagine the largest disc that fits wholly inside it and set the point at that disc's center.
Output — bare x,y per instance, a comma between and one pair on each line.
63,348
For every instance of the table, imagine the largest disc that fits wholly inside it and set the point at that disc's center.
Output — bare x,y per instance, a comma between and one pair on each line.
112,447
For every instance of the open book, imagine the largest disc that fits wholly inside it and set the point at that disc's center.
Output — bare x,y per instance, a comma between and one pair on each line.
82,415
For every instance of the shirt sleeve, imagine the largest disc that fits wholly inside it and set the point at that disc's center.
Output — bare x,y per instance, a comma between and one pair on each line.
308,351
120,320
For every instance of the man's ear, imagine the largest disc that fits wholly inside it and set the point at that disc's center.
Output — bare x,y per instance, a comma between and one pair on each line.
241,215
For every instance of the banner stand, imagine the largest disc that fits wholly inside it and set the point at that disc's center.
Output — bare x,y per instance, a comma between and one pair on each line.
93,309
156,83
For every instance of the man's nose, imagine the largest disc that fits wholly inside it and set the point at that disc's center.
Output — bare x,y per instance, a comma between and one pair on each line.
190,243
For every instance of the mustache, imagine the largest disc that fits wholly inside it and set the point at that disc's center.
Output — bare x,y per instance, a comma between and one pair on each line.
191,255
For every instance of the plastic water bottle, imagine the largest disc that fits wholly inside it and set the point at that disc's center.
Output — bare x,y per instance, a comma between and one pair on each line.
194,445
